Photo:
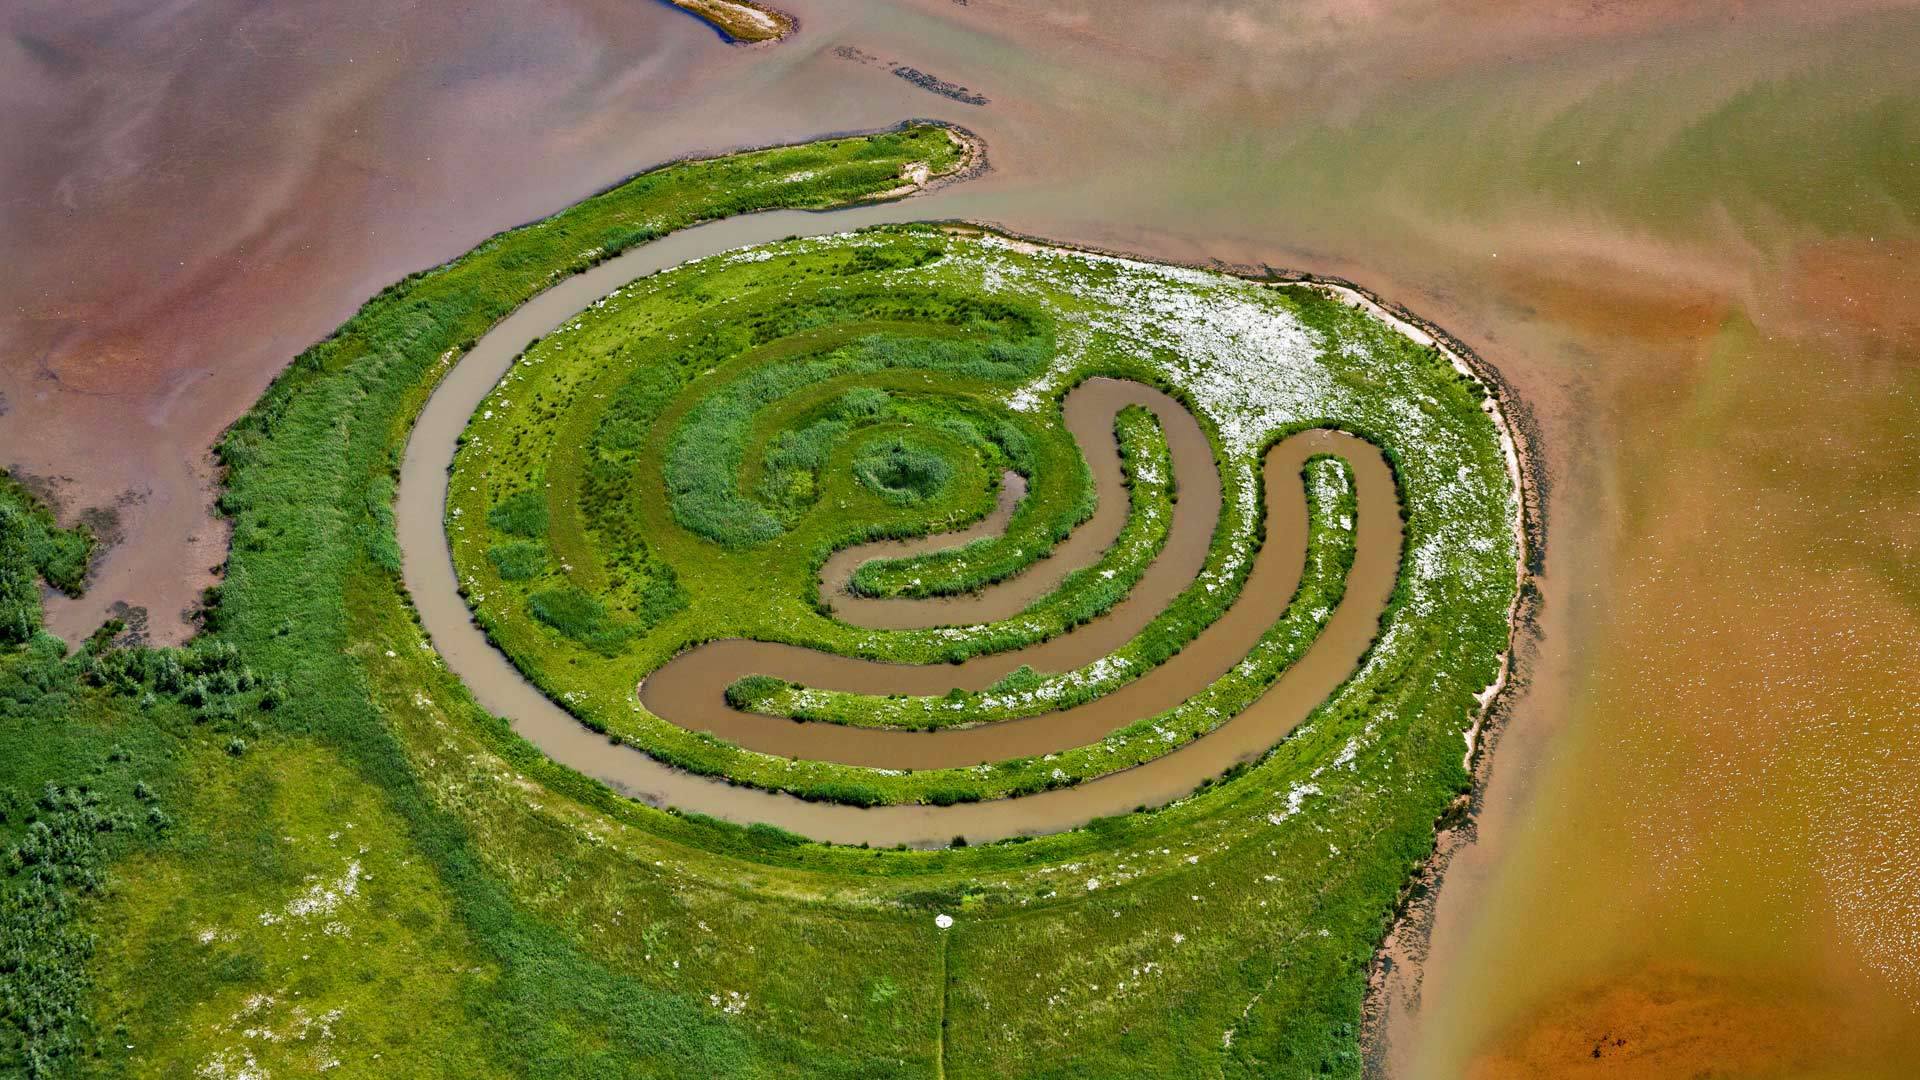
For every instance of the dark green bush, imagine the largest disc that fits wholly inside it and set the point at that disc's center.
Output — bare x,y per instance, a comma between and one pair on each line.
902,472
579,616
523,513
60,556
748,692
19,592
520,560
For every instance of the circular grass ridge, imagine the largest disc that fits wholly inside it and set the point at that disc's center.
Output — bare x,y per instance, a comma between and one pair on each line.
903,469
705,438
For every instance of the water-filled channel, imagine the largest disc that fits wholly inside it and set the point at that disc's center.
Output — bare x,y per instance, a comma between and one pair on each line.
430,577
1088,412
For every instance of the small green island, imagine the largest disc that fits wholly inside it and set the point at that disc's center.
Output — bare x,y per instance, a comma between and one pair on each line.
975,658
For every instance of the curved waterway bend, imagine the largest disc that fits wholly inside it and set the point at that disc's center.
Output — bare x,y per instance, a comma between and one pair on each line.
689,690
1089,411
684,690
893,613
431,580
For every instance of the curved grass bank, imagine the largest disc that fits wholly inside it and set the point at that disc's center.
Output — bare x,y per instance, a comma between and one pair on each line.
742,22
553,926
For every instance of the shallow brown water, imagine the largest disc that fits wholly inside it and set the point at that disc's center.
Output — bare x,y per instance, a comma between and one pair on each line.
1709,782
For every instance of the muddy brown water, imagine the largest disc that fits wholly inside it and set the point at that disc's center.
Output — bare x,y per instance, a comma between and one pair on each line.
498,686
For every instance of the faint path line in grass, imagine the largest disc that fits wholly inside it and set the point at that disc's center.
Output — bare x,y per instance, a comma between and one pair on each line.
946,992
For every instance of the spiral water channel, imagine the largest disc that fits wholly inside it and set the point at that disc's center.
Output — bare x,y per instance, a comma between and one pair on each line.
689,689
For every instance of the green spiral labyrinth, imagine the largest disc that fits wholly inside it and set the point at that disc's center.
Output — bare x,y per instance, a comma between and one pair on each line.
924,516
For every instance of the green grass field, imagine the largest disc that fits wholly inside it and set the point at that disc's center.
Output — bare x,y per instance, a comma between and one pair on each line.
320,850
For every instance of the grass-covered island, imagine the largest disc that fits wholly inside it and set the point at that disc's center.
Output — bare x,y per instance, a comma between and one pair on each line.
742,21
299,844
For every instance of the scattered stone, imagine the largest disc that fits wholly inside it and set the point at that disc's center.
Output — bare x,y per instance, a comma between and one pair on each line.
939,86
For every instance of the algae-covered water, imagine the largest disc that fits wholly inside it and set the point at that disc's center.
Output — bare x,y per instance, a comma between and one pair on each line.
1685,232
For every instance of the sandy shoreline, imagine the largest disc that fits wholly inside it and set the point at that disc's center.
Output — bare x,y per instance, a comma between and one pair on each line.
1398,966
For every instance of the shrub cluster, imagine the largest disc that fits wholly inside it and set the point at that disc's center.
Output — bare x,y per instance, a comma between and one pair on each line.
33,547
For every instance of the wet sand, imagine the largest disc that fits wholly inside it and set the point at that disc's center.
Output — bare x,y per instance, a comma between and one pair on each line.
1588,195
